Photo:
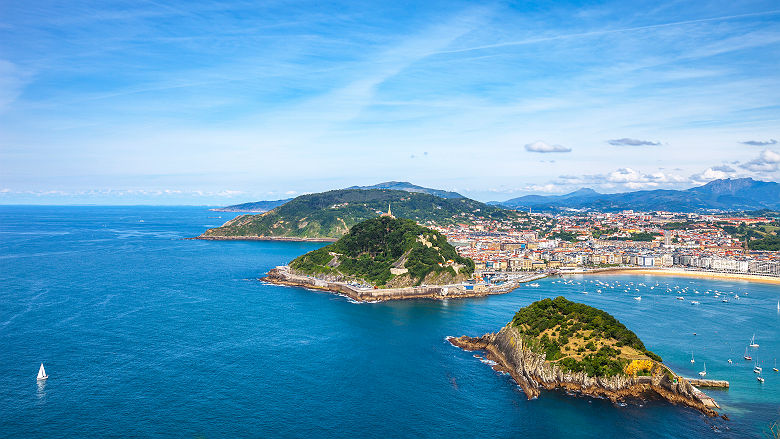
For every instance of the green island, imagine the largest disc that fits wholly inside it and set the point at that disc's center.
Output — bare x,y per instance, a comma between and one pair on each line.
330,215
387,252
580,338
558,344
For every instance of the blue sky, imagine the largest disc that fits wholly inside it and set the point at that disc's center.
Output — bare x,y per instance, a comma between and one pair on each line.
223,102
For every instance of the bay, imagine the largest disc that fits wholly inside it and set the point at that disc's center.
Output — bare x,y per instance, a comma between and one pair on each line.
145,333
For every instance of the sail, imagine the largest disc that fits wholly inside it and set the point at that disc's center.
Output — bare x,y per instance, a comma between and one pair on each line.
41,372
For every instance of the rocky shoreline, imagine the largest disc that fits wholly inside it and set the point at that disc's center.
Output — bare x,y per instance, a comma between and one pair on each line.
283,275
532,373
263,238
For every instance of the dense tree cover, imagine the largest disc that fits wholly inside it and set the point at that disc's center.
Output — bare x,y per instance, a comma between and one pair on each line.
568,319
759,236
678,225
331,214
374,246
770,243
564,235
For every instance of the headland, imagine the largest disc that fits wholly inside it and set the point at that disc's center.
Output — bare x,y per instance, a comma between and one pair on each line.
284,275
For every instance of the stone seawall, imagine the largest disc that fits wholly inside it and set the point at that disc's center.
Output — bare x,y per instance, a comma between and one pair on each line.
284,276
532,373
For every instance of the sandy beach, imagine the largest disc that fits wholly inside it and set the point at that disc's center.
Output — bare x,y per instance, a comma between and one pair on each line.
690,273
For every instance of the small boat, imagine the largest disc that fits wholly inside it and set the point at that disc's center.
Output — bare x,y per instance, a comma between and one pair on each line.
730,361
694,302
704,372
638,298
760,379
42,374
534,285
747,357
692,361
753,343
680,298
775,368
757,368
725,300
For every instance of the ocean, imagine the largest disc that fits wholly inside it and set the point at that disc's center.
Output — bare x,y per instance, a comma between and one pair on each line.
147,334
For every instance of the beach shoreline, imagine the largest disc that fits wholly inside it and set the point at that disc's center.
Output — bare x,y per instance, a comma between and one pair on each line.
687,273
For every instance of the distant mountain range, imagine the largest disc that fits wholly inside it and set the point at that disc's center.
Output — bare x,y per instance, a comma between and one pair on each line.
409,187
726,194
265,206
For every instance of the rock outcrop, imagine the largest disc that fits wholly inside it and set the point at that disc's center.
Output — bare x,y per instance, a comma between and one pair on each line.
532,373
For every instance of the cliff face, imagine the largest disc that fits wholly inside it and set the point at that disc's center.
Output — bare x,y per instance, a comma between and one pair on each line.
532,372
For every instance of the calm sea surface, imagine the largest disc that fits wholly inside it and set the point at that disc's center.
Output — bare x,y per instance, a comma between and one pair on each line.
146,334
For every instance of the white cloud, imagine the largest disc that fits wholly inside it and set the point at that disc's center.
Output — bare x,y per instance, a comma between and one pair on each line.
544,147
767,161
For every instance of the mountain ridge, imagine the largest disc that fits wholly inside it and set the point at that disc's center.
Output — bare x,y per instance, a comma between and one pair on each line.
724,194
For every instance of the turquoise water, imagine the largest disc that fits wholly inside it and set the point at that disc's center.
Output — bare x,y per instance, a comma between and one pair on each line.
146,334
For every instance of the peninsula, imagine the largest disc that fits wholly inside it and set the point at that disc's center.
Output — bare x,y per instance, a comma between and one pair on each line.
387,258
559,344
329,215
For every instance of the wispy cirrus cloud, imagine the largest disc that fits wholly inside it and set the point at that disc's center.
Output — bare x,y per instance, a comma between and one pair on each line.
544,147
632,142
759,142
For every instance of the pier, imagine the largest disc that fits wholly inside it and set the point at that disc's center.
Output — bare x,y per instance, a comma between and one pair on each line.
723,384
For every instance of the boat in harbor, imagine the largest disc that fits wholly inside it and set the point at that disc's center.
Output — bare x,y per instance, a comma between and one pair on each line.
703,372
42,373
747,357
680,298
757,368
692,361
753,343
760,378
638,298
775,368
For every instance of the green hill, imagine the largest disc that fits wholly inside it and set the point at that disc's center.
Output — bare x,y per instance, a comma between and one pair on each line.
580,338
331,214
388,252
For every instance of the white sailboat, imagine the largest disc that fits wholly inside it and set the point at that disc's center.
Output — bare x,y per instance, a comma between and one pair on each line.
775,368
753,343
692,358
704,372
42,373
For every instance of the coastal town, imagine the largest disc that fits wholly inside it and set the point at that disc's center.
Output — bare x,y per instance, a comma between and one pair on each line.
576,242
